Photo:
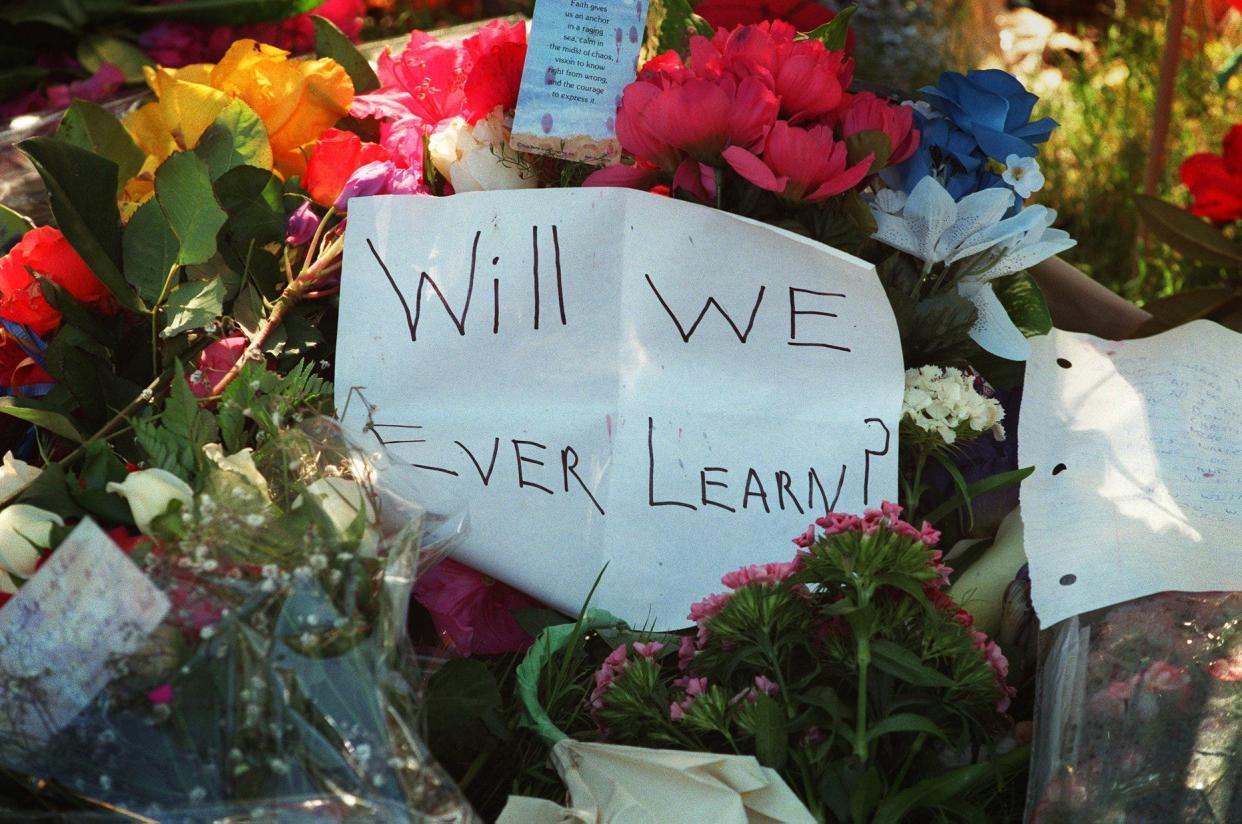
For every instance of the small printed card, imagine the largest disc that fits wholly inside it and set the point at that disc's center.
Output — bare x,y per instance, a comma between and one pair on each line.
581,55
63,633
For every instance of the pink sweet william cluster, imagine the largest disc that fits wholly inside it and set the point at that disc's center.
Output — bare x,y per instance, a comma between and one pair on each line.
764,103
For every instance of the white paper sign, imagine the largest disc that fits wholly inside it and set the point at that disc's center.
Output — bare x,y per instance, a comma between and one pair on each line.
1137,448
611,377
64,632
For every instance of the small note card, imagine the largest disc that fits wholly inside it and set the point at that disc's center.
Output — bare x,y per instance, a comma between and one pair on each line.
64,632
1137,449
581,55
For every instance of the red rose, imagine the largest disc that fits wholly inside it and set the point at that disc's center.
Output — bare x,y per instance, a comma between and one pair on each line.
1215,181
46,252
336,156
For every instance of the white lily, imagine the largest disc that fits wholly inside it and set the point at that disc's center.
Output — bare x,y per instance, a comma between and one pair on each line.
933,227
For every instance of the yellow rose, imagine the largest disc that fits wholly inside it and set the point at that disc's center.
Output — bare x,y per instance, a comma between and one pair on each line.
297,100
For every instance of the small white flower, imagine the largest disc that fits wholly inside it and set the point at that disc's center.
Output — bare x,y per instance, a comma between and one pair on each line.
944,400
891,201
1023,174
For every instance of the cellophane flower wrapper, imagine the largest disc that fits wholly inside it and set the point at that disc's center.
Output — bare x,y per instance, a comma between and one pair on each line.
1139,713
281,685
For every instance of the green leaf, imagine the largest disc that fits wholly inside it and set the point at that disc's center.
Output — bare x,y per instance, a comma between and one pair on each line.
78,371
183,190
900,662
184,417
82,188
41,415
991,483
535,620
867,793
1193,236
193,305
834,34
1024,301
944,787
96,49
224,12
237,137
149,250
771,732
12,227
673,22
332,42
463,707
252,199
92,127
904,722
74,314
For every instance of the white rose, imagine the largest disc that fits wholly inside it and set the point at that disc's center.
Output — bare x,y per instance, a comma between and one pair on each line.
15,476
24,529
149,493
242,463
341,499
442,145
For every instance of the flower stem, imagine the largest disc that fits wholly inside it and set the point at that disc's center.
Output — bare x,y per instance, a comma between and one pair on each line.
860,722
155,318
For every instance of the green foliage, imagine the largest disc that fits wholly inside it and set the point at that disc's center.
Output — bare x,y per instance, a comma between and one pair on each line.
12,227
833,34
223,12
90,126
1193,236
183,190
149,251
174,439
670,24
331,42
82,188
193,305
96,49
237,137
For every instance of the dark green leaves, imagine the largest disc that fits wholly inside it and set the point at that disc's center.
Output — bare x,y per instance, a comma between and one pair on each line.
176,440
82,188
1192,236
673,22
193,305
771,732
1024,301
149,250
231,12
835,32
237,137
183,190
92,127
41,415
96,49
331,42
899,662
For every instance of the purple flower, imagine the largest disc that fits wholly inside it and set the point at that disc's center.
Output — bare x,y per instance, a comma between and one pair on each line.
380,177
301,226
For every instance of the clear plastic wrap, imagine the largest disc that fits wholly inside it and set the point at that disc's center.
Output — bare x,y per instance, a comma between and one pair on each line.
1139,714
281,684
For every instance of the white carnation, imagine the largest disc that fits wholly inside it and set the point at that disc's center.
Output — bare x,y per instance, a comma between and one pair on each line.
944,401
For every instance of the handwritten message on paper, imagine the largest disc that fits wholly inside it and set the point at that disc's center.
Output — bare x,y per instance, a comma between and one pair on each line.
1137,448
581,56
608,376
64,632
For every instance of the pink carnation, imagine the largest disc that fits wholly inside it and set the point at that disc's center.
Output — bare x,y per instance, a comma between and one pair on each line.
648,650
760,574
1227,669
686,652
1163,677
1000,666
835,523
700,611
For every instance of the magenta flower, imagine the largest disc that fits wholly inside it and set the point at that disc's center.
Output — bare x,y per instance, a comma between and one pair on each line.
214,363
472,612
301,225
867,112
800,165
163,694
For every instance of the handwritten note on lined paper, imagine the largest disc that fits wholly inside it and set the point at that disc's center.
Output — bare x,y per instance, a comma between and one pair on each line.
64,632
1137,448
611,377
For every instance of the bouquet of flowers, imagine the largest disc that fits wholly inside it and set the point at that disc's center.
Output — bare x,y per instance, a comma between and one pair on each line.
277,681
848,670
1138,714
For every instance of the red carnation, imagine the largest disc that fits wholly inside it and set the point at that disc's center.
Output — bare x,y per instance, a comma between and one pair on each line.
803,15
45,252
1215,180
